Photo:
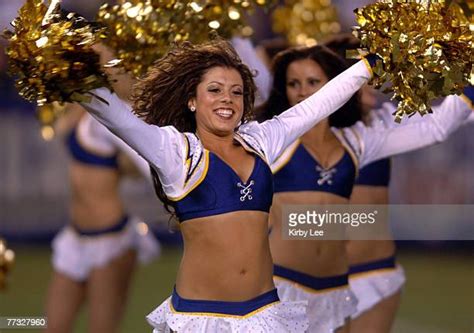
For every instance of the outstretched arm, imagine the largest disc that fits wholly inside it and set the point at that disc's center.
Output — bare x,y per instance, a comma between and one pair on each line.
376,142
279,132
384,116
163,147
104,139
138,162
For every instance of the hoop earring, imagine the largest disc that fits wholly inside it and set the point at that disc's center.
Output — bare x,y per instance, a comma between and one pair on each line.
192,108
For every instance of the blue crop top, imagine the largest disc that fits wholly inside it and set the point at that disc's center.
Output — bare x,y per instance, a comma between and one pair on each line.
222,191
80,154
375,174
302,172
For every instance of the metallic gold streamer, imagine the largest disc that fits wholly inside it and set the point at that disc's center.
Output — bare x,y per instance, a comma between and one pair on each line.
7,260
306,22
142,31
426,50
51,56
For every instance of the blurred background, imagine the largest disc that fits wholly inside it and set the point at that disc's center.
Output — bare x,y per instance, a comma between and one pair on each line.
34,194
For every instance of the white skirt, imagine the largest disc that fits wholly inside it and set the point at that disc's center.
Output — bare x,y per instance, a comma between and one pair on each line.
372,287
263,314
327,309
75,255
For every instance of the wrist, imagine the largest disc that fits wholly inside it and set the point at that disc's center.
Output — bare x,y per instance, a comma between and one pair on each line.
372,59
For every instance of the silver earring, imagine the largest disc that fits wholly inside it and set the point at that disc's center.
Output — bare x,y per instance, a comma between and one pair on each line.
192,108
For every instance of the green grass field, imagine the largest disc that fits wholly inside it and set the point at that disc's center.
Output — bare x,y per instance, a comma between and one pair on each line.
438,298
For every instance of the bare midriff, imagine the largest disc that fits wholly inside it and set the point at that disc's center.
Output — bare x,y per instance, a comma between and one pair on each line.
319,258
226,257
95,203
361,252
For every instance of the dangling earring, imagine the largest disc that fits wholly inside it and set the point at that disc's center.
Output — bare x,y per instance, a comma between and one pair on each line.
192,108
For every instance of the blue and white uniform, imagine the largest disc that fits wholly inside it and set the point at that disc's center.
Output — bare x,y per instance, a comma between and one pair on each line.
330,299
297,165
183,164
216,191
375,281
76,252
375,174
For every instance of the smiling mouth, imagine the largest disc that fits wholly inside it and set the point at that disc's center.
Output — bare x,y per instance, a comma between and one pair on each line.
224,113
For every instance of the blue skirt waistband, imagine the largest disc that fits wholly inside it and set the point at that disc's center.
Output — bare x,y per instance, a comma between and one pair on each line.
221,307
389,262
316,283
97,232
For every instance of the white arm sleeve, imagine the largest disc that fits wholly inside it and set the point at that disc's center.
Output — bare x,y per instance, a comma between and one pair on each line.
163,147
97,138
277,133
263,78
376,142
138,161
384,115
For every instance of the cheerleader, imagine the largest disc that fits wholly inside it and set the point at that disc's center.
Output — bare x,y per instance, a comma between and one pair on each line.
94,256
375,277
213,173
320,168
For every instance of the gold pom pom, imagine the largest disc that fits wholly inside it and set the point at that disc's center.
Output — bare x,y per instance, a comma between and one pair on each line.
51,56
306,22
7,260
426,49
141,32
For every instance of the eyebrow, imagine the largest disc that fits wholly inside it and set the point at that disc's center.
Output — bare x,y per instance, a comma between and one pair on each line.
221,84
310,78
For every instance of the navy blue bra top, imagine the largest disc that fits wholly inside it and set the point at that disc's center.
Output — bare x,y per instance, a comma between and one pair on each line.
222,191
303,173
375,174
80,154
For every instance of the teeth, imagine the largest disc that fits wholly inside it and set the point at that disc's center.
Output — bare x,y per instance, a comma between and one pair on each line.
224,113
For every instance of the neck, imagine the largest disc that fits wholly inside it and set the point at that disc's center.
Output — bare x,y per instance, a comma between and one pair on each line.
214,142
318,135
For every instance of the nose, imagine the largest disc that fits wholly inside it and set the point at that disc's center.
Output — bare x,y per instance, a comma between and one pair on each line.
226,97
304,90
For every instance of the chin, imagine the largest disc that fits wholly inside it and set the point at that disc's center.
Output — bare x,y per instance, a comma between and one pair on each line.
223,130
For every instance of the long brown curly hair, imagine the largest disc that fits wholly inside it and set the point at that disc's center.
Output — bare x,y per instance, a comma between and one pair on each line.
161,97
